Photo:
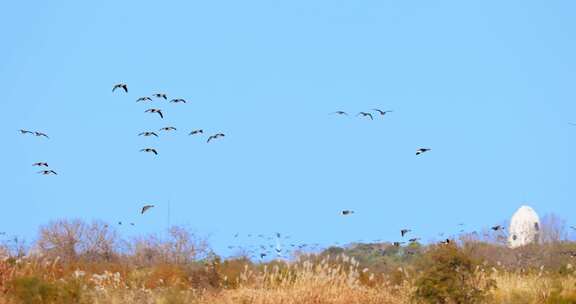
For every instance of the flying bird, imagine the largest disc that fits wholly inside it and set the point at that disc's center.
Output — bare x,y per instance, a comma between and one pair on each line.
403,232
178,100
47,172
382,112
168,129
340,113
150,150
445,242
120,85
25,131
40,164
194,132
160,95
144,99
215,136
41,134
347,212
497,227
413,240
155,111
148,134
422,150
146,207
365,114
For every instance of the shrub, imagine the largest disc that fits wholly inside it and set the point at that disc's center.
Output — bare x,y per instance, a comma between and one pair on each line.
450,276
32,290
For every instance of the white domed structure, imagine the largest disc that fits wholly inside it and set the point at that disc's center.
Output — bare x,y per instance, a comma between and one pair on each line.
524,227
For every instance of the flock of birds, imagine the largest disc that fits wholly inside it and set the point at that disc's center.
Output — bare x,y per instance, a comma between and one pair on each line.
44,165
369,115
260,250
158,111
365,114
148,99
124,87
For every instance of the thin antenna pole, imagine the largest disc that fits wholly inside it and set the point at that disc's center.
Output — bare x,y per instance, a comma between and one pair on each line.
168,220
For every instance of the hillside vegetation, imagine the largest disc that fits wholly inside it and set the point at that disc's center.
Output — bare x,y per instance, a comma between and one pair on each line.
77,262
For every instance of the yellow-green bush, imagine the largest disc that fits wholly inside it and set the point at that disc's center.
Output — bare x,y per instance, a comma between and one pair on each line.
450,276
33,290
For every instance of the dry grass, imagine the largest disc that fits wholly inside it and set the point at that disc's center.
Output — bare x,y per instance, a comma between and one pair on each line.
337,280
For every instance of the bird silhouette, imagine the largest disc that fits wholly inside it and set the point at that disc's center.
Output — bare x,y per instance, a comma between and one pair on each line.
41,134
422,150
25,132
382,112
365,114
168,129
47,172
178,100
340,113
412,240
145,208
160,95
497,227
445,242
215,136
194,132
149,150
403,232
146,98
120,85
148,134
155,111
40,164
347,212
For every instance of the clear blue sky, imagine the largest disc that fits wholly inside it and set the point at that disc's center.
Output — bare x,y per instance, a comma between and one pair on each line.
489,86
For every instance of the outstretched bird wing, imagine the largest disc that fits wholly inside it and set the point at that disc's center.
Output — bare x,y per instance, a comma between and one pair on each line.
146,208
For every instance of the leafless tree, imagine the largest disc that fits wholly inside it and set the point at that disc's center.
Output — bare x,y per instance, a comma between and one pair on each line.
74,239
553,229
180,247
